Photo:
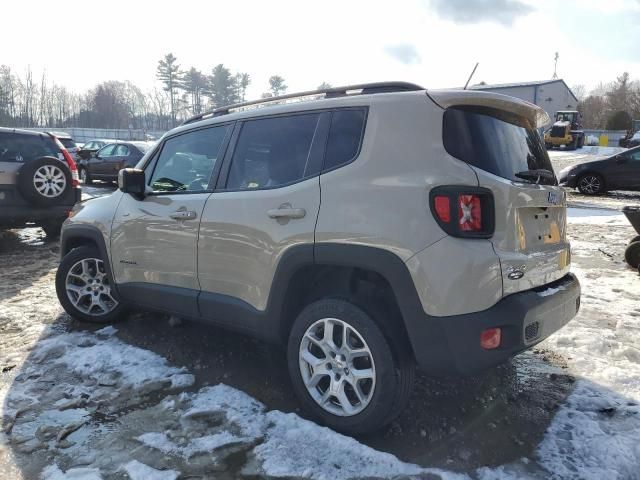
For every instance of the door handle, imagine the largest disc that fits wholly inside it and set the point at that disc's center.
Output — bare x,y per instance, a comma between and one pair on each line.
286,213
183,215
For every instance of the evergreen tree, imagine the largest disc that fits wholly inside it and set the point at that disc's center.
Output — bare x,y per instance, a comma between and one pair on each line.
277,85
168,72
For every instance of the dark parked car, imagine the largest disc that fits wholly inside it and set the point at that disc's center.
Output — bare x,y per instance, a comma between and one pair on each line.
110,159
618,172
91,147
38,180
68,142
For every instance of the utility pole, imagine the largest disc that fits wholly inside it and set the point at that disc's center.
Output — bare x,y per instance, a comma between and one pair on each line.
555,66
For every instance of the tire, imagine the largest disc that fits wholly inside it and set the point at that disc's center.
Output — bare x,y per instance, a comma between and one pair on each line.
83,269
549,146
634,239
382,395
632,254
44,181
581,141
52,230
84,176
591,184
573,145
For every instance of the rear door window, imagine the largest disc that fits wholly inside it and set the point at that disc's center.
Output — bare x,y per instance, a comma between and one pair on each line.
345,137
495,141
272,152
121,151
106,151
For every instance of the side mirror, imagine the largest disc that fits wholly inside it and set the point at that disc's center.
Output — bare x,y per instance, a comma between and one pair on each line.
133,181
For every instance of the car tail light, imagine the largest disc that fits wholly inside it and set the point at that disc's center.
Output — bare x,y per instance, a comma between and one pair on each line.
463,211
442,206
490,338
75,179
470,213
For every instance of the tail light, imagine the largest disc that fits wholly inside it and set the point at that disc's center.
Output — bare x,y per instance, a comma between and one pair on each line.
75,179
464,211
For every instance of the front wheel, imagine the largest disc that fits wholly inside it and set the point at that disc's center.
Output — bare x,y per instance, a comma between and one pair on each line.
591,184
343,369
84,288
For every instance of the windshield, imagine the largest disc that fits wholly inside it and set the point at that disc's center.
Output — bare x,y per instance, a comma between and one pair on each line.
495,141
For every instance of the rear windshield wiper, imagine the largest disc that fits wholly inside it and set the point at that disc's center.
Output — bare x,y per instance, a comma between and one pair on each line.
537,175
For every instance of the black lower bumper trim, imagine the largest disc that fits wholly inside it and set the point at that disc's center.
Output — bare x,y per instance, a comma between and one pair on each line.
526,318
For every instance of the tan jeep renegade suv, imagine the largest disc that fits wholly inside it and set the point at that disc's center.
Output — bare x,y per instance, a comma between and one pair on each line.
369,229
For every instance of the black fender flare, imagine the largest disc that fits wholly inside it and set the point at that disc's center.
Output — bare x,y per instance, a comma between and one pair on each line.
74,235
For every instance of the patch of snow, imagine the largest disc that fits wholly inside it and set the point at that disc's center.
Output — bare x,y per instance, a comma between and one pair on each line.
84,355
139,471
295,447
595,216
107,331
205,444
53,472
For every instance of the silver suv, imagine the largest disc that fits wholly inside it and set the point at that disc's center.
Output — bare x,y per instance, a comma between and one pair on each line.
369,229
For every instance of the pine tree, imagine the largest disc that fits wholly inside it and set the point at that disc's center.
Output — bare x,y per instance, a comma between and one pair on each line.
168,73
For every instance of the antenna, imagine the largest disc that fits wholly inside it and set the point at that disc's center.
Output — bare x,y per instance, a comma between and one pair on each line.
555,65
469,79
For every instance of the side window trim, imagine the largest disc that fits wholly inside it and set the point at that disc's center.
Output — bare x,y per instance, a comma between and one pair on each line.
363,109
316,150
153,159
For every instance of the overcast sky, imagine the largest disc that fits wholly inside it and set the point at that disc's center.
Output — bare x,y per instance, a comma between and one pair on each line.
431,42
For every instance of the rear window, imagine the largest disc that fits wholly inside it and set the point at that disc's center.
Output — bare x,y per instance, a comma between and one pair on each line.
24,147
67,142
495,141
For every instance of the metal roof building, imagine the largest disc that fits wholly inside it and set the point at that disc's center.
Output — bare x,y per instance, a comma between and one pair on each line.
551,95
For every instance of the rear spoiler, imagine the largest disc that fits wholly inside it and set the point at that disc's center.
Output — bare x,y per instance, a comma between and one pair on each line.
477,98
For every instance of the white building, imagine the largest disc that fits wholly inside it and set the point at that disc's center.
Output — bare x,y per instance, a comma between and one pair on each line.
551,95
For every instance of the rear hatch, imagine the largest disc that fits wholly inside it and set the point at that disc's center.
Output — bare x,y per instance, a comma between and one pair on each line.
498,137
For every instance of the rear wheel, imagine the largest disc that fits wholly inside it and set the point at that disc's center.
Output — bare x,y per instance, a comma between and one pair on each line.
635,239
591,184
84,288
343,369
632,254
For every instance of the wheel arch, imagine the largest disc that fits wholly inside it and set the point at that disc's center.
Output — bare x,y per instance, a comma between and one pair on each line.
372,277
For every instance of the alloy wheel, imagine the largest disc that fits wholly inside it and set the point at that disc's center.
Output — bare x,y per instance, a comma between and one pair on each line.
49,181
337,367
590,184
88,287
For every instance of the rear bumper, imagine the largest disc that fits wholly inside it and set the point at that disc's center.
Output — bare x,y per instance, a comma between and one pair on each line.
14,216
526,318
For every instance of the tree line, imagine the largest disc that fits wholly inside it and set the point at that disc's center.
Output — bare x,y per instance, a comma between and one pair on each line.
610,106
26,101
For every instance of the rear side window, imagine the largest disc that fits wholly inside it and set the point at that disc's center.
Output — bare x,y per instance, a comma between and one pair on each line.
272,152
15,147
495,141
121,151
67,142
345,136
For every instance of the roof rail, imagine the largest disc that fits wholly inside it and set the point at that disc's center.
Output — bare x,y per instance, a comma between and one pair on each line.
365,88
